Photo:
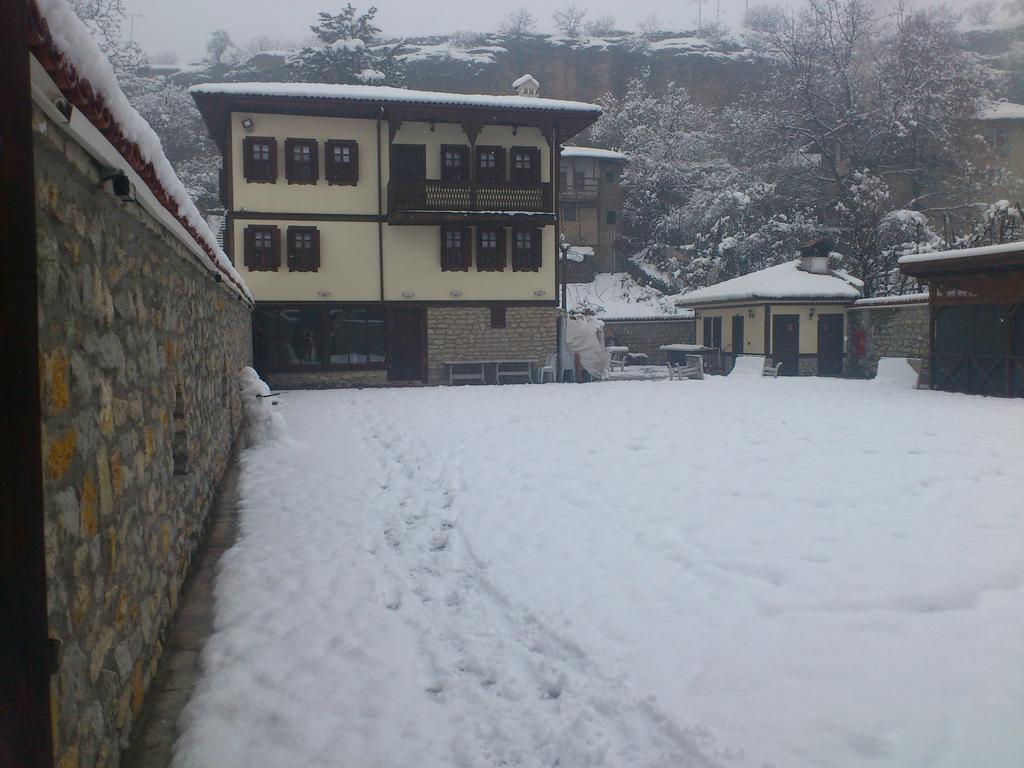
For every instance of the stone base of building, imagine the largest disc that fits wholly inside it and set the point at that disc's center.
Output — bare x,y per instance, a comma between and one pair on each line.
808,366
466,333
327,379
648,336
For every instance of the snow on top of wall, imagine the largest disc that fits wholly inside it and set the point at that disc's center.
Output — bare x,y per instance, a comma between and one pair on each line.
906,298
579,253
594,152
72,39
1002,110
617,296
783,281
964,253
482,55
392,95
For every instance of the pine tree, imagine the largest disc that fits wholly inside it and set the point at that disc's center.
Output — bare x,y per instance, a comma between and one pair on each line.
347,50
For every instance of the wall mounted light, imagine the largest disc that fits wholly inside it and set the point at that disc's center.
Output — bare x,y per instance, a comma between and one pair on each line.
408,295
539,292
750,313
323,294
455,294
810,312
120,185
247,124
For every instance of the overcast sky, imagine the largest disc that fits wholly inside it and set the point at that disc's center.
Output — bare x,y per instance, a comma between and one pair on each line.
184,25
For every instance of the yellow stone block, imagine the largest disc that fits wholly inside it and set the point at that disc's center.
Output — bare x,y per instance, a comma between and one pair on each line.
70,758
116,472
148,443
58,458
57,391
87,507
138,689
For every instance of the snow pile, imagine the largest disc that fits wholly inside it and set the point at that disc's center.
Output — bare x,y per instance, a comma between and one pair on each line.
814,573
1001,110
616,295
896,372
73,39
418,52
905,298
263,424
748,365
592,152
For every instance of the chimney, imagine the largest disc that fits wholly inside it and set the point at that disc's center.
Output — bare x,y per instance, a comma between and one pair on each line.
814,256
526,85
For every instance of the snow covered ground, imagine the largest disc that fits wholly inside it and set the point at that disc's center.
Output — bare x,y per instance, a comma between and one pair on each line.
791,572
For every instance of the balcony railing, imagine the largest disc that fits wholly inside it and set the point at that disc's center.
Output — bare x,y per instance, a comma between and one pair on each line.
586,191
434,195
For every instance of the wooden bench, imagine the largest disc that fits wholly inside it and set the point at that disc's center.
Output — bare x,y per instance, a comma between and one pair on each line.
474,371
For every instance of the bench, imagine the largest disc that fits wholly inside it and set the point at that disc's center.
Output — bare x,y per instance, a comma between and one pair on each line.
474,371
693,369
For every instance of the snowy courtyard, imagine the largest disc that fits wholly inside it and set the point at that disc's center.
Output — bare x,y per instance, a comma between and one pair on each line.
795,573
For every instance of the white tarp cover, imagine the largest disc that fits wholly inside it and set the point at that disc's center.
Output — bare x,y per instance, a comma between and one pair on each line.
585,336
897,372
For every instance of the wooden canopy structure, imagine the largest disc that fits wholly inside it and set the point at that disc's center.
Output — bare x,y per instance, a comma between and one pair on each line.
977,318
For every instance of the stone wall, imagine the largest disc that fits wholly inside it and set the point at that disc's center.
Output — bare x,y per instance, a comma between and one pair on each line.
887,330
647,335
139,352
465,333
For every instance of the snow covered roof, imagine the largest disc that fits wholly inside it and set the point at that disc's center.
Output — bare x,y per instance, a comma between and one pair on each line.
110,127
906,298
617,296
1002,254
385,94
524,80
594,152
1002,110
783,281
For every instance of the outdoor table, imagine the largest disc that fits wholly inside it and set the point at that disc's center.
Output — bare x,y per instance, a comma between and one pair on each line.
503,370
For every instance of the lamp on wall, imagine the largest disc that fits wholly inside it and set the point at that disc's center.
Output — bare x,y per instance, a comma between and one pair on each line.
247,124
750,312
539,292
810,312
455,294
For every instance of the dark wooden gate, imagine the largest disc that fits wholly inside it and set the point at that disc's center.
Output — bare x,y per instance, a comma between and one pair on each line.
24,649
737,337
786,343
830,345
979,349
406,344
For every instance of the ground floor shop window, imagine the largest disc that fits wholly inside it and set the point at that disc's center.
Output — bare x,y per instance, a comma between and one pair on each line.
293,337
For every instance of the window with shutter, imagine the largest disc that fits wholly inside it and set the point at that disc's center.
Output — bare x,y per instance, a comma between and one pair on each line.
455,250
262,248
341,162
302,163
454,162
490,249
490,164
303,249
259,159
526,253
525,165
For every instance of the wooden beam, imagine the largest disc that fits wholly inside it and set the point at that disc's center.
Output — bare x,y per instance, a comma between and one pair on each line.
25,731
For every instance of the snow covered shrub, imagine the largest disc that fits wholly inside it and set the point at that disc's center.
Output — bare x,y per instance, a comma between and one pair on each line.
262,423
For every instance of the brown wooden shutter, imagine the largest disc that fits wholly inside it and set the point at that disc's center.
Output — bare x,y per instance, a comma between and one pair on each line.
535,165
289,165
314,159
467,249
247,158
499,153
275,257
249,247
502,248
353,171
536,250
314,256
273,162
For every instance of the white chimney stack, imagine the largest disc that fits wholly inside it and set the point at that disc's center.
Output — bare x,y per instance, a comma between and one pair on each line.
526,85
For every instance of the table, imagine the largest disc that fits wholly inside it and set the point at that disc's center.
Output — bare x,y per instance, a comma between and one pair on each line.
504,370
676,353
616,357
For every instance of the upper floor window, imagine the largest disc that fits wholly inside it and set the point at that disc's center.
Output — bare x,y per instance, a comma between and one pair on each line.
997,138
455,250
341,162
259,159
454,163
563,179
569,213
490,249
610,217
609,176
490,163
525,165
526,250
301,164
262,248
303,249
579,180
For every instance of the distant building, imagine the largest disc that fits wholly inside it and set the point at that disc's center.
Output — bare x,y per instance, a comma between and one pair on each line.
1001,126
590,206
792,313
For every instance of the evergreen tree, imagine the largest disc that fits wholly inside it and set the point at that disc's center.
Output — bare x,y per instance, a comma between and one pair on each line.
347,50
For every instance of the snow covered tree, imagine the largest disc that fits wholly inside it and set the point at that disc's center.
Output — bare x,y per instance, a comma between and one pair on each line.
599,26
347,50
569,20
219,45
105,20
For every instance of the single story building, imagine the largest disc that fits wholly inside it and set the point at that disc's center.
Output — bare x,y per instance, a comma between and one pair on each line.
976,318
793,313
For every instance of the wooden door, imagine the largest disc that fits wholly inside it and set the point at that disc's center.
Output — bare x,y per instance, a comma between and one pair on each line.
786,343
408,162
737,337
406,344
830,345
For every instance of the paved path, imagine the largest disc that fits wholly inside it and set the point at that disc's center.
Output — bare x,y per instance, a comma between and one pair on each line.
157,729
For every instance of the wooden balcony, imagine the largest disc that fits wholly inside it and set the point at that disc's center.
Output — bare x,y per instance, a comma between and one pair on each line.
431,201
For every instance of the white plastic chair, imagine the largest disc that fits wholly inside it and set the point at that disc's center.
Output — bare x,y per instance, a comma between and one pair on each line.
550,366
